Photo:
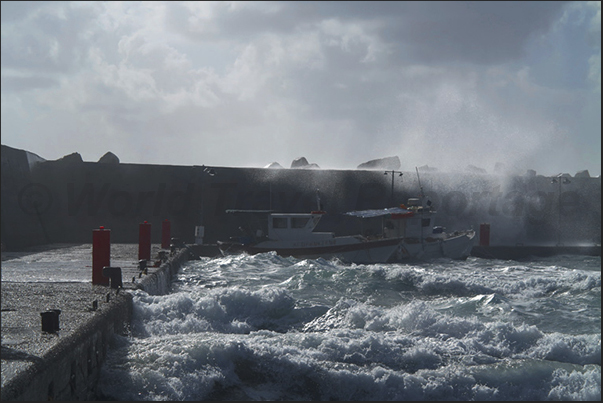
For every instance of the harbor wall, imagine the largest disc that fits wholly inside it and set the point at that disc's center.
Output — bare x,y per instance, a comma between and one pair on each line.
19,226
159,282
59,201
70,369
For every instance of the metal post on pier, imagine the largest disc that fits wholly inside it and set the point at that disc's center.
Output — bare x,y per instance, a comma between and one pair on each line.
144,241
101,254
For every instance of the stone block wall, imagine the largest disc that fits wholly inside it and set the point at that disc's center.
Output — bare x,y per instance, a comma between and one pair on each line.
64,200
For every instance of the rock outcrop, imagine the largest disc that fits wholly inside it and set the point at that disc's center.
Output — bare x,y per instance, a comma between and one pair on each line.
389,163
302,163
109,158
73,158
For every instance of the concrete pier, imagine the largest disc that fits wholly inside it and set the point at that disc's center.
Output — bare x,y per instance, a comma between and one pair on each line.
64,363
518,252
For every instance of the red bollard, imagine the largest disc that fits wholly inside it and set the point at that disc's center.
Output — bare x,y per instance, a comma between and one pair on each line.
165,235
101,254
144,241
484,234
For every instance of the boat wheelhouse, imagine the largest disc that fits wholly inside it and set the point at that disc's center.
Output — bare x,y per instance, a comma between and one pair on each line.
405,233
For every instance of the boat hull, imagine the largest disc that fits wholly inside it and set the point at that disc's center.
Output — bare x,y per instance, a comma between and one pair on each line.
388,250
365,252
457,247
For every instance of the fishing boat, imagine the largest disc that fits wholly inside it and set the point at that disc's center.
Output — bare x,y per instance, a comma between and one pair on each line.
414,225
390,235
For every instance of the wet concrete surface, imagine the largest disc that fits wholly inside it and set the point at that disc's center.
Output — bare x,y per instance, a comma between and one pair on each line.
60,277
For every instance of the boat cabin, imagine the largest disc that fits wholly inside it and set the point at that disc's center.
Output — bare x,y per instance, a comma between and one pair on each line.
292,225
411,221
269,225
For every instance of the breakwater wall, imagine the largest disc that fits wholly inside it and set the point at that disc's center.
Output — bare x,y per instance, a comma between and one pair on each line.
40,366
59,201
158,282
70,368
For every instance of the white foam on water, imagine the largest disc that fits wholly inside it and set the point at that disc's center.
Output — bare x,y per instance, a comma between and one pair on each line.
340,365
270,328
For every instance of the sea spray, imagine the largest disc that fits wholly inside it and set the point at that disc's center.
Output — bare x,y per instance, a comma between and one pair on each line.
270,328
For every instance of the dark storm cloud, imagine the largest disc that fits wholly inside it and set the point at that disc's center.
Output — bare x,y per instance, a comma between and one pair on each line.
482,32
427,81
475,32
228,23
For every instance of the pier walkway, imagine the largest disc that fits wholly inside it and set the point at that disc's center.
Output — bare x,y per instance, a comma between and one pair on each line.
62,362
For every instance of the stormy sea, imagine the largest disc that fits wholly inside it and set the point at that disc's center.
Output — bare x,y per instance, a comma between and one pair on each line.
265,327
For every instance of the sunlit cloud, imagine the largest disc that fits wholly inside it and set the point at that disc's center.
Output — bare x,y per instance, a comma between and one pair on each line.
249,83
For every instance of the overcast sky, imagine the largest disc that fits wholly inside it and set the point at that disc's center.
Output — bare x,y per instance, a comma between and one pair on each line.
444,84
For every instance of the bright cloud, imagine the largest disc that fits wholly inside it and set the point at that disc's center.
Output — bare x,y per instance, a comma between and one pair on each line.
444,84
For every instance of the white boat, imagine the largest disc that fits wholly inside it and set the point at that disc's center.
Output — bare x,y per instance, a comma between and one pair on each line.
391,235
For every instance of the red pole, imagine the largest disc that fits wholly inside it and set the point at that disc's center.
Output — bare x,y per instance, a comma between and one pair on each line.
484,234
144,241
101,254
165,234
